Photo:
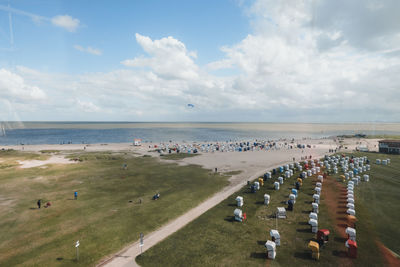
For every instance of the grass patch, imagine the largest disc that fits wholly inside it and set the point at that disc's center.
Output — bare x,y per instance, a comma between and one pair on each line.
107,215
178,156
50,151
216,239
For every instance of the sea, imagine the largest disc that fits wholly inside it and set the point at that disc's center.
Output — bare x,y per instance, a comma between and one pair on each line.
34,133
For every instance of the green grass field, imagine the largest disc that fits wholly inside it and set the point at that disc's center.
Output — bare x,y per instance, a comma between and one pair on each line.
107,215
215,239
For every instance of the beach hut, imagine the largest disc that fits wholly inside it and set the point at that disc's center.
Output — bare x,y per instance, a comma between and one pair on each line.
316,198
318,184
321,178
257,185
300,181
313,215
323,236
280,179
281,213
271,249
318,169
384,162
314,225
350,195
350,206
351,233
317,190
293,198
261,181
294,192
276,185
300,168
268,175
137,142
291,204
266,199
351,211
314,207
287,174
275,237
388,161
350,200
314,246
378,161
352,221
309,173
366,177
238,215
239,201
351,248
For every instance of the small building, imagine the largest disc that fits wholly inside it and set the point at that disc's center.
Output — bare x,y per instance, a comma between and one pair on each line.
137,142
389,146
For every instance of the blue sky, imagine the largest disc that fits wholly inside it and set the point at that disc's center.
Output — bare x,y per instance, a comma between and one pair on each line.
203,26
234,60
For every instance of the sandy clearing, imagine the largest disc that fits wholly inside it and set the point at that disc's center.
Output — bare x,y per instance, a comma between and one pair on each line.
52,160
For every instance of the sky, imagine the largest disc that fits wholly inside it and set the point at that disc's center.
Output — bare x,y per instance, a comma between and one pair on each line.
232,60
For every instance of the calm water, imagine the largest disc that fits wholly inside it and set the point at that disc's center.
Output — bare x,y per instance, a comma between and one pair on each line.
94,132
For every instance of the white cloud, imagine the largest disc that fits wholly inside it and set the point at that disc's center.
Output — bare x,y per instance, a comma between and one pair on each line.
87,106
65,21
13,86
90,50
168,58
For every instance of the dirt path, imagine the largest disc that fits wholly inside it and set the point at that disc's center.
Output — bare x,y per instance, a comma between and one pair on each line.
335,196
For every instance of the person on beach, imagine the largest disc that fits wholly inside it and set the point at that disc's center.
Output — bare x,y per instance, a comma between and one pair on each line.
75,195
39,203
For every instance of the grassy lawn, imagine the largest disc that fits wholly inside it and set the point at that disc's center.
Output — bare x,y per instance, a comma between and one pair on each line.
380,199
177,156
216,239
107,215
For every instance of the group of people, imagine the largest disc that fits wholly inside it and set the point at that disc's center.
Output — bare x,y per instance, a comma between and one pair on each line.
48,204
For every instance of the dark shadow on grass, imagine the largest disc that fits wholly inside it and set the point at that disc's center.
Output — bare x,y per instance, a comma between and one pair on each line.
342,202
33,208
232,205
230,218
341,218
341,207
258,255
340,212
303,255
339,253
308,230
259,202
261,242
305,211
340,239
308,202
303,223
343,225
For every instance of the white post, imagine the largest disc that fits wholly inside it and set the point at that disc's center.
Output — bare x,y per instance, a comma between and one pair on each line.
77,250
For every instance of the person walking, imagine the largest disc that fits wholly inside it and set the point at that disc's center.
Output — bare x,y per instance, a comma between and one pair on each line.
39,203
76,195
